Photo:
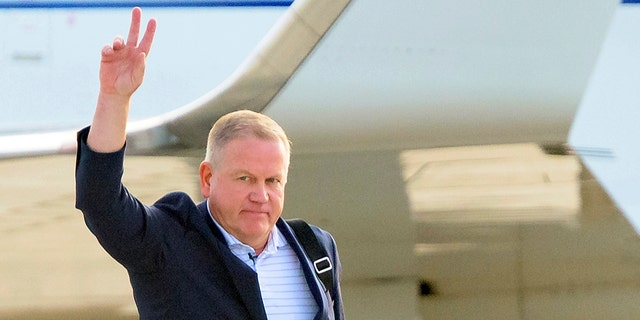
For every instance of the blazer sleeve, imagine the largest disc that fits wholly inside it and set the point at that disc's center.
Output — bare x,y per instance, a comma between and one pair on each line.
118,220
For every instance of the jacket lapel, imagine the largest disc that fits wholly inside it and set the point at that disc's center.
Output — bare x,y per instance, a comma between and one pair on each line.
244,278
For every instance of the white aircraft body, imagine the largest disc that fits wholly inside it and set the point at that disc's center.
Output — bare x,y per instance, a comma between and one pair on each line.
354,83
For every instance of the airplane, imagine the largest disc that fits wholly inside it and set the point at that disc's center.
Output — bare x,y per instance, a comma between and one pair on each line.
356,84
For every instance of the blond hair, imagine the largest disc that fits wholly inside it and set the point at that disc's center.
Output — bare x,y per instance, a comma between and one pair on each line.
241,124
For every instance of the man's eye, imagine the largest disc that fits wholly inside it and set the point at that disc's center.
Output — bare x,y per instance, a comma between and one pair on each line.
273,180
244,178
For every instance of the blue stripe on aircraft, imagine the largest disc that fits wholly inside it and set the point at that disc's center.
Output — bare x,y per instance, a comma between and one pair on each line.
630,1
35,4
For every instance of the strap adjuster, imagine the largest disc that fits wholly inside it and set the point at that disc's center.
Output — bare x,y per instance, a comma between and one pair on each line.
322,265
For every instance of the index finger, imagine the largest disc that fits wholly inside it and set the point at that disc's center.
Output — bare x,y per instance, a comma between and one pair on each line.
134,29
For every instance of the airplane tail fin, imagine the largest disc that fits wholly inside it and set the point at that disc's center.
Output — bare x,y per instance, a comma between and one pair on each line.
606,128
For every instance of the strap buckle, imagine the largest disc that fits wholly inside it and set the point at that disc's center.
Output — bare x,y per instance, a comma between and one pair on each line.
326,265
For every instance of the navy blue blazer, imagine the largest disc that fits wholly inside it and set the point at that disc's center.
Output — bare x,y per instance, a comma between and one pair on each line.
179,264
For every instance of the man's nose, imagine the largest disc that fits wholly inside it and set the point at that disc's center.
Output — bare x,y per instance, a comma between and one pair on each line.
259,193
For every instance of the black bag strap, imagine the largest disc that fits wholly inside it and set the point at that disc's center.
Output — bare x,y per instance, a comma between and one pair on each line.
315,252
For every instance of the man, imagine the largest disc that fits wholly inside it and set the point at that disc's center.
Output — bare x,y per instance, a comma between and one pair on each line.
229,257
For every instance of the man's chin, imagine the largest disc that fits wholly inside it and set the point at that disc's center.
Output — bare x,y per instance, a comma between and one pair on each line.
258,226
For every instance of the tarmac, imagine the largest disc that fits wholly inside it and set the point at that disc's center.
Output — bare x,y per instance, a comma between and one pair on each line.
503,232
51,266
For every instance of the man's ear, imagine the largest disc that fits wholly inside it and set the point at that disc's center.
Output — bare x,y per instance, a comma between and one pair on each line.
206,172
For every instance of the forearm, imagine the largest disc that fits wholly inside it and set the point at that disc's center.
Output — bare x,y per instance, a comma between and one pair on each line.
108,130
112,214
98,180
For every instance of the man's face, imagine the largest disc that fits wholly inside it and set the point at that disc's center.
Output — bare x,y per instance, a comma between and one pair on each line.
246,189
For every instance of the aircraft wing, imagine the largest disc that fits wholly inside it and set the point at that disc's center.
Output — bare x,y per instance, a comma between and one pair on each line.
252,86
32,144
606,128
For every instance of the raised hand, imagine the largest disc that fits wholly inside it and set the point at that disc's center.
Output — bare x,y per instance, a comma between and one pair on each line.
122,65
121,73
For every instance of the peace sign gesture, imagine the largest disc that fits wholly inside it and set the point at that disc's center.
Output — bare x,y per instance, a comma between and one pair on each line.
122,65
121,72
